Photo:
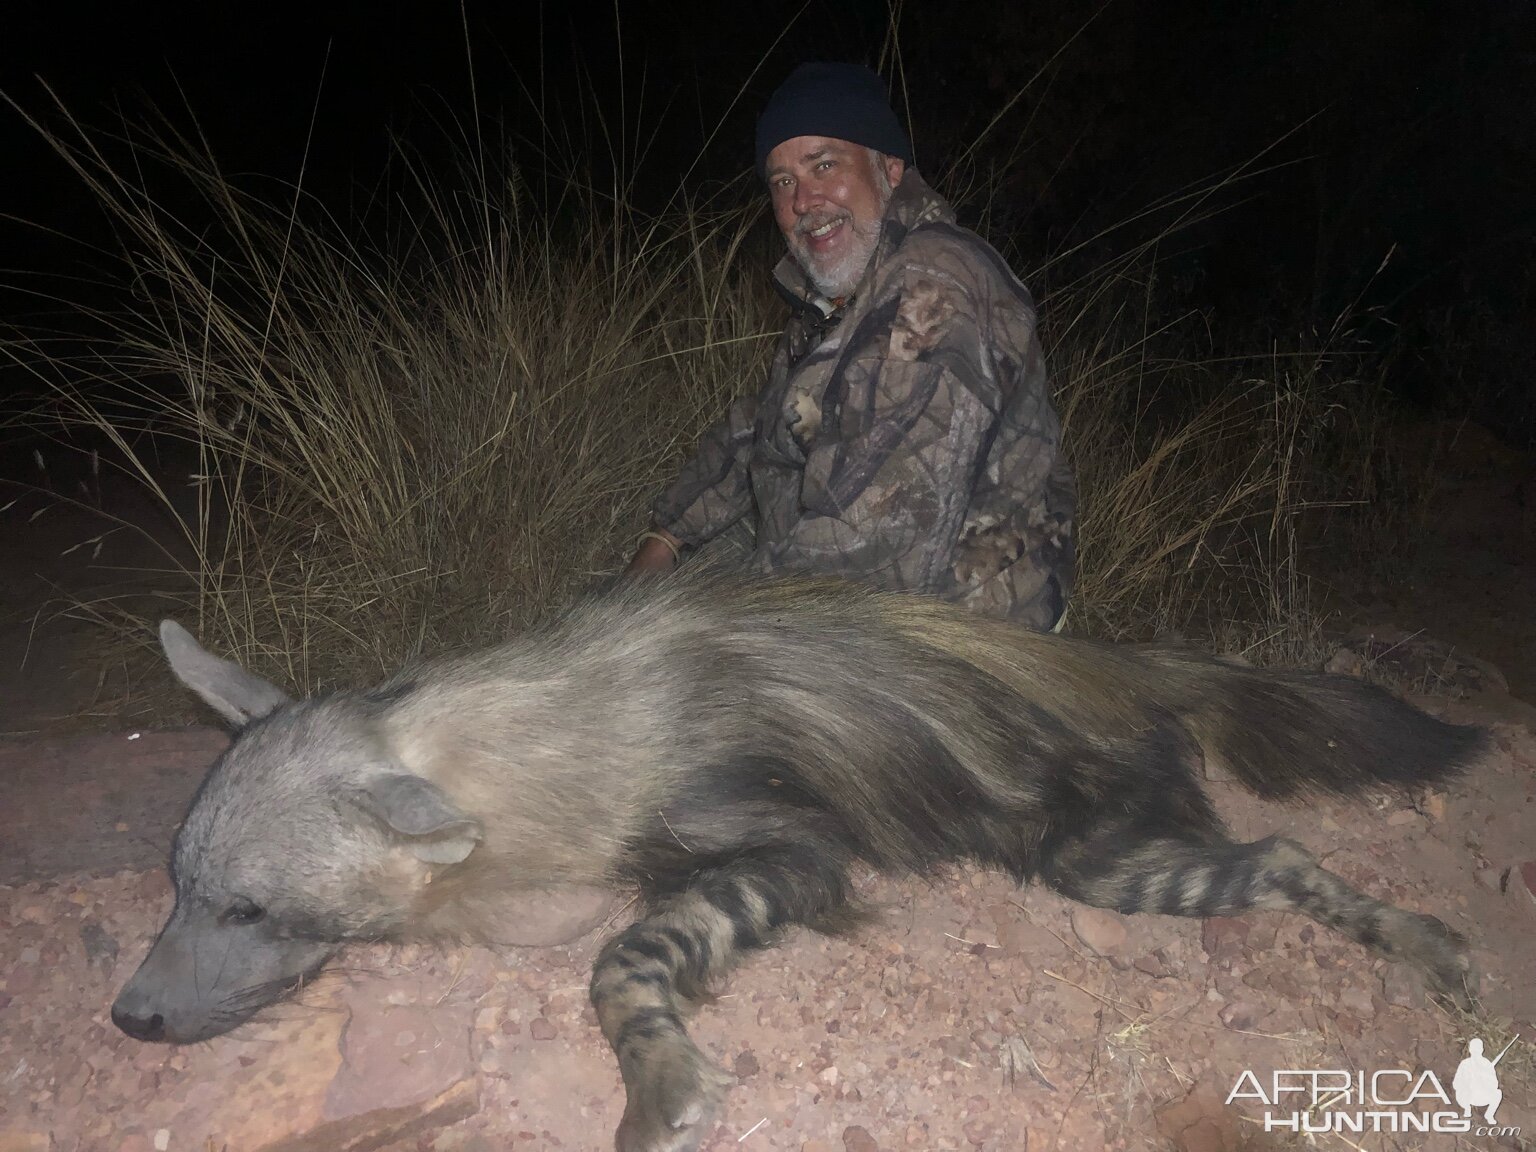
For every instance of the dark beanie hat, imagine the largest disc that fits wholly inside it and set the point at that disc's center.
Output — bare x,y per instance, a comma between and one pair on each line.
842,101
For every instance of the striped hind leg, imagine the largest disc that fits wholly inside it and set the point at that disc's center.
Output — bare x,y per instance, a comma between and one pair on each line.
689,940
1208,875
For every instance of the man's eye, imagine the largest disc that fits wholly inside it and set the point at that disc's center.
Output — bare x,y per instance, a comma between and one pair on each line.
243,912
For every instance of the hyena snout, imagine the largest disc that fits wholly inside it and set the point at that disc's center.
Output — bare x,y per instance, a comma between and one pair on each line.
202,979
135,1015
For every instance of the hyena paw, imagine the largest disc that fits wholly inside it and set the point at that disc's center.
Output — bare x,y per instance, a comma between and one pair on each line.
672,1102
1442,954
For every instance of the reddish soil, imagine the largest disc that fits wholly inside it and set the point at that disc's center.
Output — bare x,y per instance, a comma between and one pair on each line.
971,1015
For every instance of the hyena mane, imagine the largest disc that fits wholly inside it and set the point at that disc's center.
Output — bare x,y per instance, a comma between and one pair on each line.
729,747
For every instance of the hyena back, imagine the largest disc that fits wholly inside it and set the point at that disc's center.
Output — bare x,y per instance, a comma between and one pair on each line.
728,748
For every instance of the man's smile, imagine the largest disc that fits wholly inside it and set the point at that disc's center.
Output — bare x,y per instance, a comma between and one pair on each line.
823,238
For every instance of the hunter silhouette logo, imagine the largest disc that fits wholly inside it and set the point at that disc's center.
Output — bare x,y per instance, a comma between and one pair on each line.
1315,1100
1476,1083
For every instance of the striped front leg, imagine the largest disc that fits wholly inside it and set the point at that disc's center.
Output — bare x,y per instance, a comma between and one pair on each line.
646,975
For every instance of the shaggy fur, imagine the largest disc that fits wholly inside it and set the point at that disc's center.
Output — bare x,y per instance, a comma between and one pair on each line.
729,747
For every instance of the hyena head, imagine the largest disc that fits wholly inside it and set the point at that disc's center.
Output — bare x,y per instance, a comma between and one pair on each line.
304,835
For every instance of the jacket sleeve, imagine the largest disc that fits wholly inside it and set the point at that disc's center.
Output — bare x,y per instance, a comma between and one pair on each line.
712,491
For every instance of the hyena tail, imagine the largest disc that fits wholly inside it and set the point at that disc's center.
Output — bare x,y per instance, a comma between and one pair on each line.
1290,734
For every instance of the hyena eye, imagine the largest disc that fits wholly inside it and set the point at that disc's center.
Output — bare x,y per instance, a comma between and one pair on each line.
243,911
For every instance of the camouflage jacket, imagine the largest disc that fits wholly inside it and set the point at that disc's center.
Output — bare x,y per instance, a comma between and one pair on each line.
906,438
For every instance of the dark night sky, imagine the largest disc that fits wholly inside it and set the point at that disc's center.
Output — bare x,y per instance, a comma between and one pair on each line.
1405,123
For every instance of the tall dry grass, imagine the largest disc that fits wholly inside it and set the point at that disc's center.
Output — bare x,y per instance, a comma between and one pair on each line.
424,443
408,447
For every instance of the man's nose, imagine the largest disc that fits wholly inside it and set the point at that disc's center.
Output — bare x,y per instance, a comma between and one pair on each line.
808,197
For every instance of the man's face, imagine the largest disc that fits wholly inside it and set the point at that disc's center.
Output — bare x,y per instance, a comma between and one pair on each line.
829,197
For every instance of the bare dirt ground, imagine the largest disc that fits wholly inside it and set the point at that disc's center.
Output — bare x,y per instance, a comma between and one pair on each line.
970,1015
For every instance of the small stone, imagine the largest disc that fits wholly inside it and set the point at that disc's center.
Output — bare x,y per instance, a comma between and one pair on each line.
1358,1002
828,1076
1240,1015
978,1132
542,1029
162,1139
1403,818
1225,939
857,1139
1432,804
1102,932
1488,878
745,1064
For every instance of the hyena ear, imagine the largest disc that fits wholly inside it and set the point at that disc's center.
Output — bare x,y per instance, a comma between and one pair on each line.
225,686
435,830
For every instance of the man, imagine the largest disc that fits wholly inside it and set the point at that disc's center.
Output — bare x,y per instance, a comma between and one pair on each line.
905,436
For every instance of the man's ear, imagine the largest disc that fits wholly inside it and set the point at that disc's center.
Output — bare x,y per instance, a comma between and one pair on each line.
895,169
228,688
416,810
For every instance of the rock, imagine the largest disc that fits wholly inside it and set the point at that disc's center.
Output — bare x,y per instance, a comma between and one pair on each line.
1199,1123
385,1126
1101,932
542,1029
1404,818
1225,938
1241,1015
1488,878
397,1056
1358,1002
745,1065
857,1139
1400,988
281,1095
978,1132
1432,804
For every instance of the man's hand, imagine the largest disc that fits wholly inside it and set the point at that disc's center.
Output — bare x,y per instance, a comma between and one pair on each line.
658,552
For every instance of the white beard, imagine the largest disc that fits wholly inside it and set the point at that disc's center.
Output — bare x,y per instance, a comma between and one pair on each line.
842,277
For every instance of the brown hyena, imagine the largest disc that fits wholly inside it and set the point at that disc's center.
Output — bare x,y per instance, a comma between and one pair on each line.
728,747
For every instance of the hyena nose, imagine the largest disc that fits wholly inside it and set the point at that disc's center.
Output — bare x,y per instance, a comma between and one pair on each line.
147,1028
